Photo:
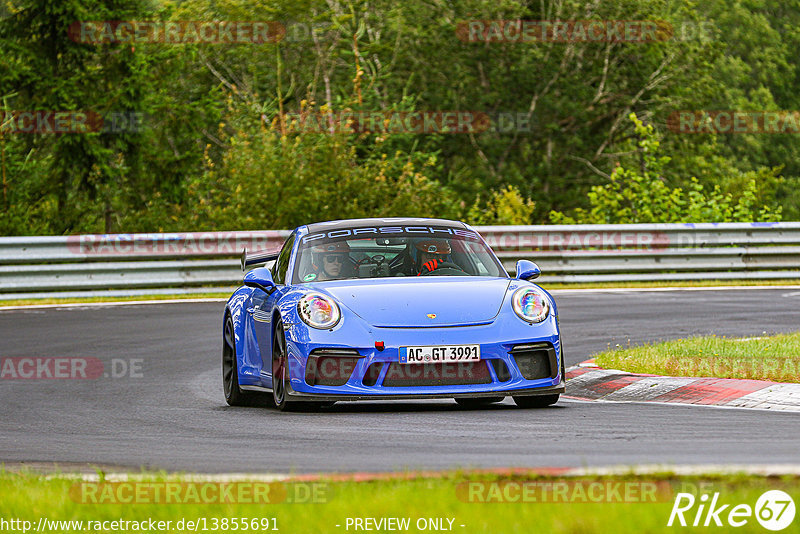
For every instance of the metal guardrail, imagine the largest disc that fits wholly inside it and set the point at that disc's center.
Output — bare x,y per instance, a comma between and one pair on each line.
652,252
127,261
569,253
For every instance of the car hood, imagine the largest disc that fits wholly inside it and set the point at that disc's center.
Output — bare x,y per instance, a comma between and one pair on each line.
422,302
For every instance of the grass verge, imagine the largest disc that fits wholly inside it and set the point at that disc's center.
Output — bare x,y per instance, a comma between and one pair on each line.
548,286
775,358
672,283
457,501
87,300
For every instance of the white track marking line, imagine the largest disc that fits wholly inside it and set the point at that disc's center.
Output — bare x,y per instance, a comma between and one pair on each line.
779,397
647,389
554,291
610,470
111,303
590,376
663,289
759,408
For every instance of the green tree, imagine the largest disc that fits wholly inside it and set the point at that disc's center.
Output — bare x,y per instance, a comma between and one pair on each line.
272,179
505,206
641,195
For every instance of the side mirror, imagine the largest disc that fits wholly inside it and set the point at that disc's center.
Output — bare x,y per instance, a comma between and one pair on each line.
260,278
527,270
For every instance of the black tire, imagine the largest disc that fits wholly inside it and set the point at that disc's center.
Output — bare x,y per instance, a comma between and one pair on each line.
234,395
477,402
280,372
280,399
536,401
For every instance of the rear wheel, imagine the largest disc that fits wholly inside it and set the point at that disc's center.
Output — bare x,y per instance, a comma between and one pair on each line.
536,401
234,395
477,402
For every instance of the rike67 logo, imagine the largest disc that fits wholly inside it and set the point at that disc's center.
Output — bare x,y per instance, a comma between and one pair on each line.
774,510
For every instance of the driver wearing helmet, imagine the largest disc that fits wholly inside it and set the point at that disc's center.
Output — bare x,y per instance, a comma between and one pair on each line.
431,254
330,261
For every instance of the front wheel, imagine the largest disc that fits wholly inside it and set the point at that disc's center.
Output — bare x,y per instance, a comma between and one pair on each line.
280,379
280,372
536,401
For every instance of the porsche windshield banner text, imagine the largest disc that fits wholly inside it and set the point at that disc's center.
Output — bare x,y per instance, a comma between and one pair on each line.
414,231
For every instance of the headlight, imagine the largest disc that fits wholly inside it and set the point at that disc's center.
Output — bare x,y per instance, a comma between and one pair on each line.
530,304
318,311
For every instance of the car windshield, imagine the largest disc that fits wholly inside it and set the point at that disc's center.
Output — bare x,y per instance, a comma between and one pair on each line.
393,251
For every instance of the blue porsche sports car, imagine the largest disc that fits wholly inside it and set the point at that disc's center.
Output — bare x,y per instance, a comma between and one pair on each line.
389,309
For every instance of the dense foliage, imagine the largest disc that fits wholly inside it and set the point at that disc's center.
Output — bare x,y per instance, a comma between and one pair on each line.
201,136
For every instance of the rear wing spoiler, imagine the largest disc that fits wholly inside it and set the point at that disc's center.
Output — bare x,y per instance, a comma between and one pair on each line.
256,258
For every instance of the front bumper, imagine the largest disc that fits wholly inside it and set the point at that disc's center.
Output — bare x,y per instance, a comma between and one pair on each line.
369,375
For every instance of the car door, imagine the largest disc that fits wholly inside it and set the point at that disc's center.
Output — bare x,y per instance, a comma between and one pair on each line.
263,306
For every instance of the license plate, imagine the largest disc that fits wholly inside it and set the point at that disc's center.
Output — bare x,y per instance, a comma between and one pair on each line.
440,354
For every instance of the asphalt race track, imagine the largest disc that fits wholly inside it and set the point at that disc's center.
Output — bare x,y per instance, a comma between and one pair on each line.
170,413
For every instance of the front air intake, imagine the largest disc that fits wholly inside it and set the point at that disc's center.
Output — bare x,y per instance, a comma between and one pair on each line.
500,369
535,360
437,374
372,374
331,367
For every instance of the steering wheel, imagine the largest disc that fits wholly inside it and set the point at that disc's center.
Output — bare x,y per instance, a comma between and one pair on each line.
445,266
377,259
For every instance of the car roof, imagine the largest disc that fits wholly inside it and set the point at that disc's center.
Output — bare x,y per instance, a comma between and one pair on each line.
389,221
